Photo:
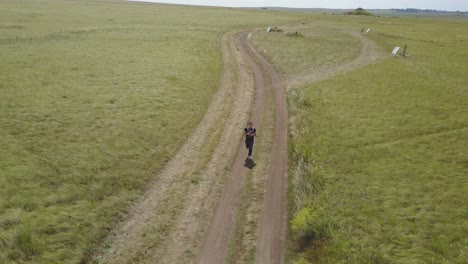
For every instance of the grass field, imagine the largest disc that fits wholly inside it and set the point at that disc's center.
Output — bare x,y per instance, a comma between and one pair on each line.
378,156
95,97
317,45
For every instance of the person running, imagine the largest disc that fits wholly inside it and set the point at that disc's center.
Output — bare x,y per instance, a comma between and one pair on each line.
250,134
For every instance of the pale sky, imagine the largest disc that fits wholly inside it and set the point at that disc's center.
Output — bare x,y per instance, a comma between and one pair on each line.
450,5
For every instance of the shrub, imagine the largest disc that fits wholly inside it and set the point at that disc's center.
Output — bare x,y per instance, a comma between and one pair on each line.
302,261
309,224
359,12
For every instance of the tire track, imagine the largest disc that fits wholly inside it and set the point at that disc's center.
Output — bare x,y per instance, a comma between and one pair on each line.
215,244
185,241
273,221
369,53
168,222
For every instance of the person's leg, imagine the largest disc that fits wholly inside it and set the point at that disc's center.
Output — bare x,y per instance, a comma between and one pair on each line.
250,149
246,143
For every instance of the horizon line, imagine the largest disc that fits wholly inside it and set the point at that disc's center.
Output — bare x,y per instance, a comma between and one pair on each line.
326,8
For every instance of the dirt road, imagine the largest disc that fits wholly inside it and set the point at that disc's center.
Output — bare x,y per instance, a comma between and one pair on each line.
189,211
270,241
273,223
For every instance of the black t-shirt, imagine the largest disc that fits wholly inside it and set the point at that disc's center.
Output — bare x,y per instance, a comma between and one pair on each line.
249,130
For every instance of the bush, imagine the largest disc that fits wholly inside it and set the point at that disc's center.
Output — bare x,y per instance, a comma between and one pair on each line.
359,12
308,225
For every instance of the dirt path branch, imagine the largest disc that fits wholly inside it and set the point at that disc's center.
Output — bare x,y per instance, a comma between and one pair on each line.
369,53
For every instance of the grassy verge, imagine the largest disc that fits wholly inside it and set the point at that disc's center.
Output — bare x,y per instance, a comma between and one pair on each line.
378,155
96,96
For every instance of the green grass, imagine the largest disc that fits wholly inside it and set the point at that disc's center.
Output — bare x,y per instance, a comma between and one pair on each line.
378,156
95,97
317,45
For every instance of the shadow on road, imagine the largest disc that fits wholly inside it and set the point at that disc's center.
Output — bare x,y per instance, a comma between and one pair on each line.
249,163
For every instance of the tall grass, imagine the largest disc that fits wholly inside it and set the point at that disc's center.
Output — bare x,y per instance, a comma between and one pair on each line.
378,155
95,97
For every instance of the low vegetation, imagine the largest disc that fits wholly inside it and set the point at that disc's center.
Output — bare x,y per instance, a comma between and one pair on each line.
378,156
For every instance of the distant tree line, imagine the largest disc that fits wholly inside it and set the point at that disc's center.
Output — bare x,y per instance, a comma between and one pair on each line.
359,12
417,10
